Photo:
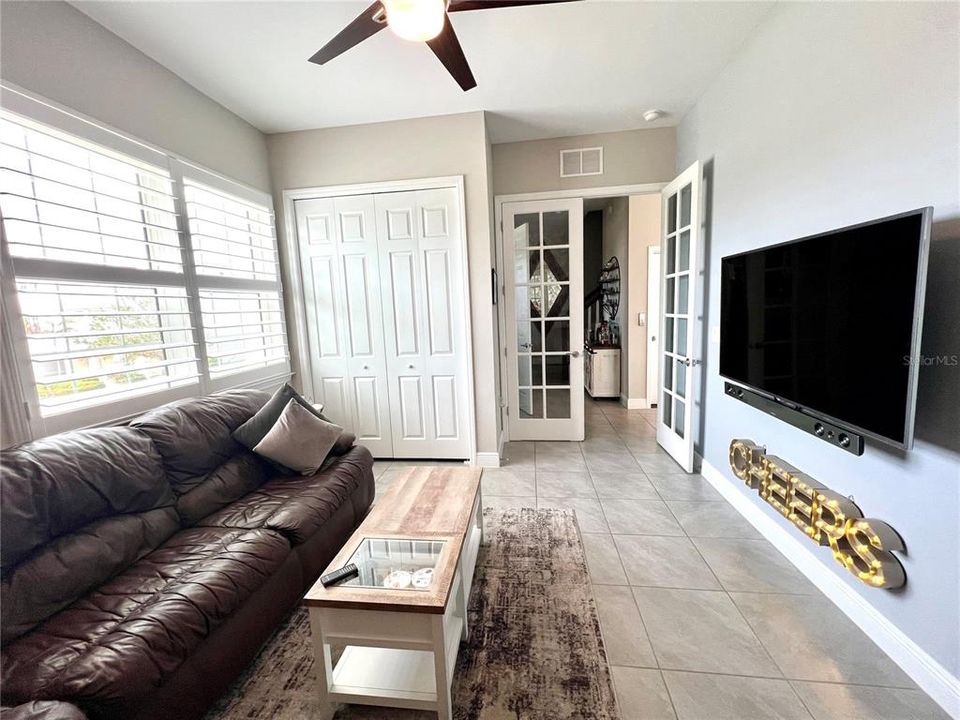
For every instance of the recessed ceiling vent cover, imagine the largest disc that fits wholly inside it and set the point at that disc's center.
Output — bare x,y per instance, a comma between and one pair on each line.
582,161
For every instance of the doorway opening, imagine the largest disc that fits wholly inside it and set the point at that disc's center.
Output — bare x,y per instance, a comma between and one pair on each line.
621,298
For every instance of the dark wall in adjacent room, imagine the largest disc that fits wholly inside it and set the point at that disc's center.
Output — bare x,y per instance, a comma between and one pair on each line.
592,250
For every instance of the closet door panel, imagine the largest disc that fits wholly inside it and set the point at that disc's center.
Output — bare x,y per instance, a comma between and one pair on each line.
322,291
439,325
404,309
446,408
334,396
360,326
412,421
341,279
402,274
353,221
356,227
445,355
370,413
326,306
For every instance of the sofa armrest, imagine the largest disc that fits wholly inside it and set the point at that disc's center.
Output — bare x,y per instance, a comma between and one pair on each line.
42,710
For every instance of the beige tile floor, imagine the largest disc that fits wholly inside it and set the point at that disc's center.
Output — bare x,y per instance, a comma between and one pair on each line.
702,618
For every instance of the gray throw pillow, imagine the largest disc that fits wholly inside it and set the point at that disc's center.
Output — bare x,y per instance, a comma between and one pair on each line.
298,440
343,444
254,429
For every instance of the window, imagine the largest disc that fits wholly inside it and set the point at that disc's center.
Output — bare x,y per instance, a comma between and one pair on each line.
238,273
124,304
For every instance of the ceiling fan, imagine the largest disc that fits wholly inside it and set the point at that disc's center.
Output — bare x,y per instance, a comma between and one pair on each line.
419,21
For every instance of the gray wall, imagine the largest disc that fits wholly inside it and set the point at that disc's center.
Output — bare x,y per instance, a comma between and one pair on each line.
54,50
644,219
629,157
830,115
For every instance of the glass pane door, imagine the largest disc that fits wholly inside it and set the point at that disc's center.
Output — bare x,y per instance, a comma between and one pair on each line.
543,247
678,283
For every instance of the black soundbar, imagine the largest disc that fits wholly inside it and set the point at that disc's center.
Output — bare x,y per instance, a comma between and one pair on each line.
828,432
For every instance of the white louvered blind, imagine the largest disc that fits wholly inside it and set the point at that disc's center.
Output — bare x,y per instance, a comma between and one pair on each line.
231,237
115,290
92,342
243,330
234,241
66,200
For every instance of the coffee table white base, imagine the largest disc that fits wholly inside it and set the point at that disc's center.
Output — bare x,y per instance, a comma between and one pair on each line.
395,659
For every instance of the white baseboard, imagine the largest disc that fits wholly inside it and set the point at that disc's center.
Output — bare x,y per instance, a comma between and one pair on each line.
929,674
634,403
488,459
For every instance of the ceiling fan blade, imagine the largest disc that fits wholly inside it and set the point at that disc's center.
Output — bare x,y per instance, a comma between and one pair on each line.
461,5
447,48
354,33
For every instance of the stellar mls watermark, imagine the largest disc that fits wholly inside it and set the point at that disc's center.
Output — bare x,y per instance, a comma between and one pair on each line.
930,360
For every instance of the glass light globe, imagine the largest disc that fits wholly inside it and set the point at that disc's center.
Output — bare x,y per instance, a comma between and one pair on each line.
417,20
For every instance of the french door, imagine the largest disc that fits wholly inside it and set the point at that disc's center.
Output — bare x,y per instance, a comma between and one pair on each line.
679,280
543,283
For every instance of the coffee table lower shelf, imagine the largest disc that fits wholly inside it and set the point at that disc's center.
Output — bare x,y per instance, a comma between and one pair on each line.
393,677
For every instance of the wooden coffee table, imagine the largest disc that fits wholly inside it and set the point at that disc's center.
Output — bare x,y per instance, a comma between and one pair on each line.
401,644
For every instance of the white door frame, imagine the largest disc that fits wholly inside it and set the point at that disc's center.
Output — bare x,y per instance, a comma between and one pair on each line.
653,326
498,202
291,271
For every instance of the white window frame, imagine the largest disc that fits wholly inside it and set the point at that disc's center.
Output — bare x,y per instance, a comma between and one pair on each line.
36,109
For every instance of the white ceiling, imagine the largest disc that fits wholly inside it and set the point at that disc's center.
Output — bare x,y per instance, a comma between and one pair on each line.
543,71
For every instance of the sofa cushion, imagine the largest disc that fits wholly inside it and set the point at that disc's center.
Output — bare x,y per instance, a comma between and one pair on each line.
125,638
57,485
195,436
73,565
238,476
298,506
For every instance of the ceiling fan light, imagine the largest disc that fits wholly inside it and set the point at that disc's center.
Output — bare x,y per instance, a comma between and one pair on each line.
416,20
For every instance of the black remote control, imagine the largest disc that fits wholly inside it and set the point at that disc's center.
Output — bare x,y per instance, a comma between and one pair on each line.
344,573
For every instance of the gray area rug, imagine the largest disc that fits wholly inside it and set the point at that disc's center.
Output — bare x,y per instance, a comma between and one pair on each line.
534,652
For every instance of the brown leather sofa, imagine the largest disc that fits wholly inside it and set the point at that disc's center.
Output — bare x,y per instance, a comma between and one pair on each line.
143,566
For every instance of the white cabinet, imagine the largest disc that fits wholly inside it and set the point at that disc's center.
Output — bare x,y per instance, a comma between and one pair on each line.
385,308
602,369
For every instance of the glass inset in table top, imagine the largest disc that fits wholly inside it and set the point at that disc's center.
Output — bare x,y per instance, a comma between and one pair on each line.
396,564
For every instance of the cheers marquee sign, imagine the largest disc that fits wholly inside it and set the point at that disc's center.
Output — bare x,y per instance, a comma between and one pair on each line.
861,545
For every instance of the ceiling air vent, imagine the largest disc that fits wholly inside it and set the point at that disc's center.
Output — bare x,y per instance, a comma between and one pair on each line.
582,161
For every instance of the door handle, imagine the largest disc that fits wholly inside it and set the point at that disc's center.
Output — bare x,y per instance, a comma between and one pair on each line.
574,353
409,367
688,362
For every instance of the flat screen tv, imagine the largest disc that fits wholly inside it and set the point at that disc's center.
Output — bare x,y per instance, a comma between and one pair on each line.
830,324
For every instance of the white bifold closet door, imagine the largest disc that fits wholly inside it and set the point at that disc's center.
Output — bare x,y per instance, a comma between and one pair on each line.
386,308
341,286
